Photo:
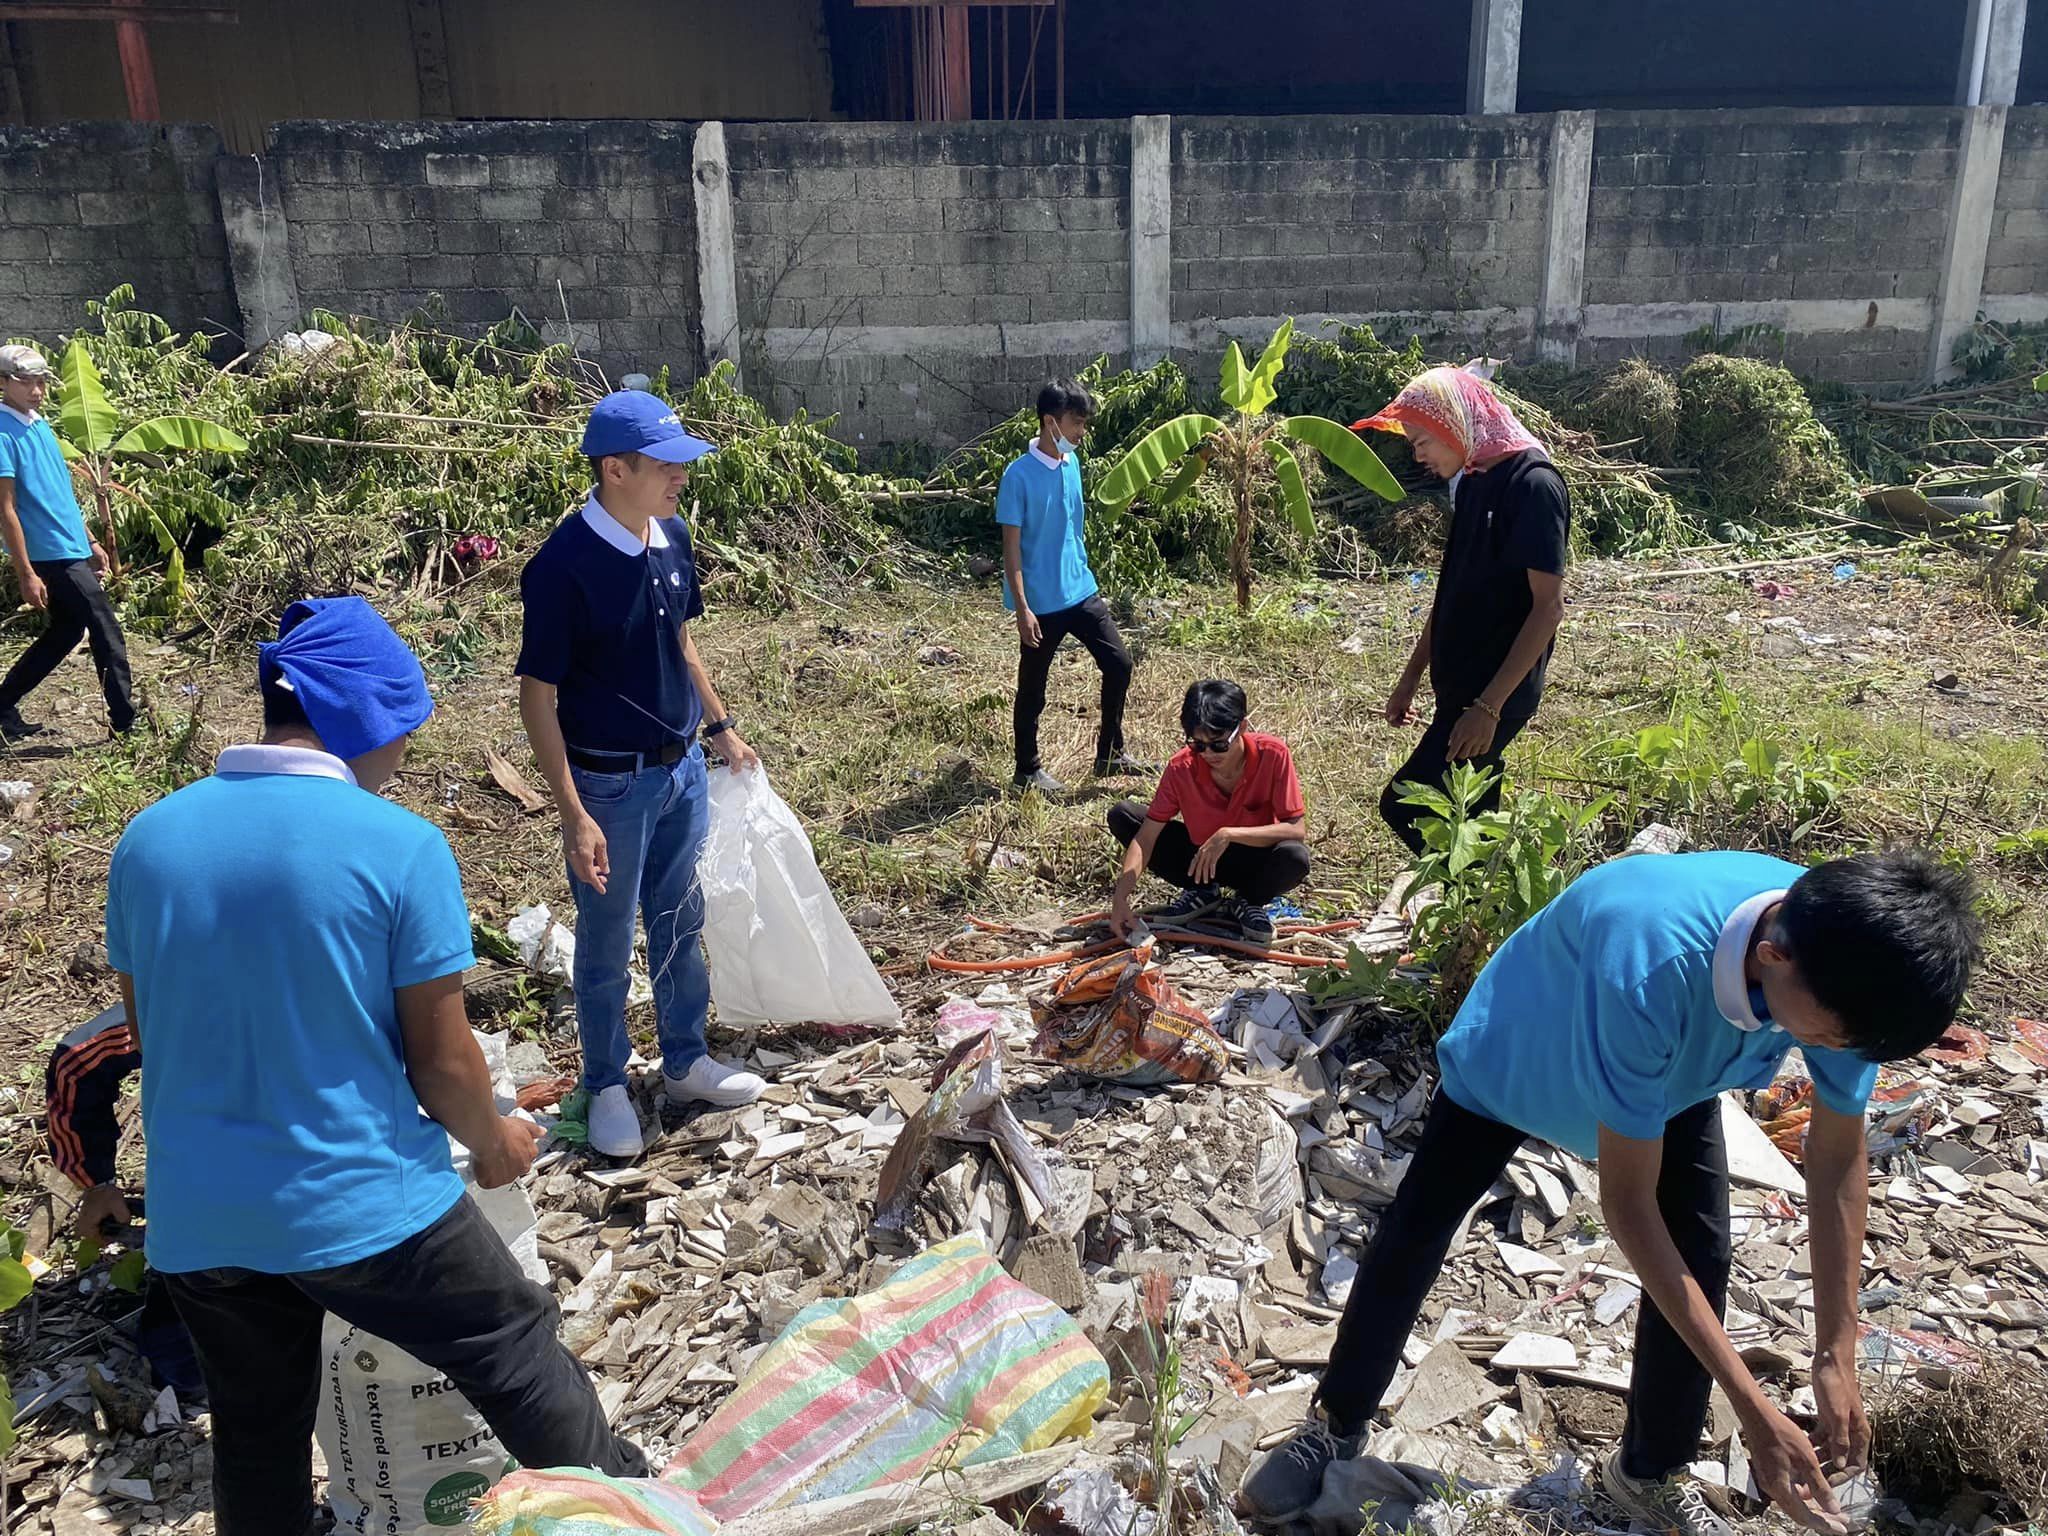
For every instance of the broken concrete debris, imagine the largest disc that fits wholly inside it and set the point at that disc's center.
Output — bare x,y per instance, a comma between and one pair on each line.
1252,1197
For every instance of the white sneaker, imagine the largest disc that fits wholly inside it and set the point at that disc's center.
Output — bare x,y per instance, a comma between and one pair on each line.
713,1082
615,1124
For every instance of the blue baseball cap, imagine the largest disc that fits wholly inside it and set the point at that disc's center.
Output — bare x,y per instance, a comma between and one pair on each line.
633,421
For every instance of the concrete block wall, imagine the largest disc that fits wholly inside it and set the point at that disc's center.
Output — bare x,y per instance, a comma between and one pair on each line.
917,281
921,280
87,207
1828,225
2016,262
1437,219
471,220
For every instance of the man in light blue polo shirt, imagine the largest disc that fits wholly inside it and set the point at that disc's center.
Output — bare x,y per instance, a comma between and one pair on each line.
56,562
291,950
1609,1024
1049,588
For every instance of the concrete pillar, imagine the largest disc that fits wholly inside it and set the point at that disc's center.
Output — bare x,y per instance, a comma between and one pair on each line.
1563,306
1151,239
718,293
1493,67
259,249
1969,235
1988,74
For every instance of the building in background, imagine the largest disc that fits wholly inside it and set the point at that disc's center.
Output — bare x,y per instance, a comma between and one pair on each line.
241,65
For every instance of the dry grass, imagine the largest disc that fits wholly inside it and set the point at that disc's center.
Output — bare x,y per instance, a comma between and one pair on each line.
1986,1430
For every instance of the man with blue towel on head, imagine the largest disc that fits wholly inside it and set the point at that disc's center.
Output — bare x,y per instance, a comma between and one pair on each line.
291,948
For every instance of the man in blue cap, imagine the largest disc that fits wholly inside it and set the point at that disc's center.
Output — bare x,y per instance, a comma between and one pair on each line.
290,949
614,694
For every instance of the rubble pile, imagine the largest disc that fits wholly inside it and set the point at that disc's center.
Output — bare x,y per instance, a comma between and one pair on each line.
1251,1196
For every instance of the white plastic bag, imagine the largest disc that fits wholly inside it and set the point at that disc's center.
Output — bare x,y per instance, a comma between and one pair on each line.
405,1451
780,951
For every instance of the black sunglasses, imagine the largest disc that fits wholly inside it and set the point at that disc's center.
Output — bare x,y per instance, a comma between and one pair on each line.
1214,748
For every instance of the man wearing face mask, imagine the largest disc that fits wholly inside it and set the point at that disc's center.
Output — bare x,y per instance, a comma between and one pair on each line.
1049,587
1500,595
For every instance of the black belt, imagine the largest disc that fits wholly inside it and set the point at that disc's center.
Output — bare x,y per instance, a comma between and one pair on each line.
628,762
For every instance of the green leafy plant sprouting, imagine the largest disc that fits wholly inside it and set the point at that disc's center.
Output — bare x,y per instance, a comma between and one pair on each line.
1253,450
15,1284
1492,871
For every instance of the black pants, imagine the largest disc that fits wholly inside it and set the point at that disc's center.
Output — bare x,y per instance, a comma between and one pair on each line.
1090,623
79,610
1430,762
452,1297
1256,874
1460,1156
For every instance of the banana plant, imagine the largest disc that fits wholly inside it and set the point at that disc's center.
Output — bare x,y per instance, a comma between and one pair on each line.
1253,449
89,431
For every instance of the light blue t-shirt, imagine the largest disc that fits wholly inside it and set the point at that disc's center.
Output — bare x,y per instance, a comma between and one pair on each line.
1044,503
44,499
1603,1008
267,919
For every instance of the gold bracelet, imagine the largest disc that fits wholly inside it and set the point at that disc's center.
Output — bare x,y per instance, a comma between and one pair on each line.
1481,704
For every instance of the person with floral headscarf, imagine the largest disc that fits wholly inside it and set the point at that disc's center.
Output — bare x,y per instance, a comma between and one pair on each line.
1500,594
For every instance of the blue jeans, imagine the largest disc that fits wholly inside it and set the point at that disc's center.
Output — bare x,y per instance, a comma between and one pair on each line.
653,823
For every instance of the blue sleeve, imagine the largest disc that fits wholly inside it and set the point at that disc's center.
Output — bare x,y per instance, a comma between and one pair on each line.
430,934
1841,1079
1010,499
1628,1034
118,955
693,605
548,621
7,460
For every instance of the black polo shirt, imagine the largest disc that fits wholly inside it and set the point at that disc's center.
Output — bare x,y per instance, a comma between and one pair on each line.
604,627
1513,519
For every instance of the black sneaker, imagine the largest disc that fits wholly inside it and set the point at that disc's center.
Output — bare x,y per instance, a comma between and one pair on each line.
1123,765
1253,921
1289,1478
1039,780
14,728
1201,901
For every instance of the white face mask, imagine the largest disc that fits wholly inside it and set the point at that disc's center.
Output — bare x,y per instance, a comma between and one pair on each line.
1060,442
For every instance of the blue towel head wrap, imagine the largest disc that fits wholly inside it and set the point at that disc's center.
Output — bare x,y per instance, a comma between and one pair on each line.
359,684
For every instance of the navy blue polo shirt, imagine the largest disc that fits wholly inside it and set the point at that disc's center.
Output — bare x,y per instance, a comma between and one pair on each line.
602,624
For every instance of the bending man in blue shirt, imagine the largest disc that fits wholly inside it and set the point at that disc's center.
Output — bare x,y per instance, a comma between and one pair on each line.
57,564
291,950
1609,1024
1049,588
613,694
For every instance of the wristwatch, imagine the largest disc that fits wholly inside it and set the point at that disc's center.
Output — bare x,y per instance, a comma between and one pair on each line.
720,727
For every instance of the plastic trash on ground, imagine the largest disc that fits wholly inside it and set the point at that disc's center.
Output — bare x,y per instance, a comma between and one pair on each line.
950,1364
1117,1017
781,952
546,947
577,1503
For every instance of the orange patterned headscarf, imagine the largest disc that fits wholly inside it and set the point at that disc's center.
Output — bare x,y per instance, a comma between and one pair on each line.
1459,407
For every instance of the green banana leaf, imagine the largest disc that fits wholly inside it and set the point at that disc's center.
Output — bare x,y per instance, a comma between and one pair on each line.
1293,488
1237,381
85,416
1265,388
1189,472
1150,455
180,434
1342,447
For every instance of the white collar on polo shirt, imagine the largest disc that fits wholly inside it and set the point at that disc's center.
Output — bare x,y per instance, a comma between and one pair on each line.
1045,458
1731,956
617,534
302,762
26,418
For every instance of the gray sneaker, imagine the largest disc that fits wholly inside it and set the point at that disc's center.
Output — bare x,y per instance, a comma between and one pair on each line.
1675,1505
1039,780
1289,1478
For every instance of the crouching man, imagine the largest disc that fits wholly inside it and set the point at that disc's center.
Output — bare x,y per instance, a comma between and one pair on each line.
1608,1025
291,948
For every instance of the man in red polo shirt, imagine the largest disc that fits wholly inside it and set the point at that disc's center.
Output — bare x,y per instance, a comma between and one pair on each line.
1227,817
